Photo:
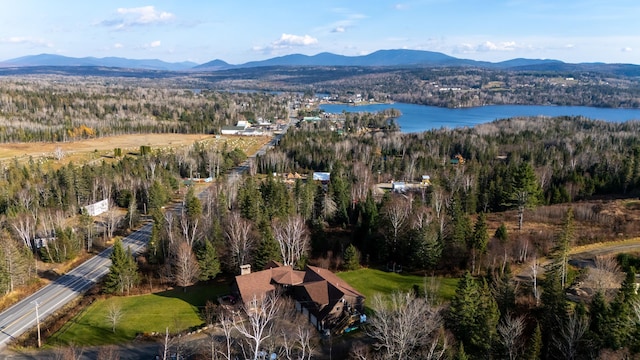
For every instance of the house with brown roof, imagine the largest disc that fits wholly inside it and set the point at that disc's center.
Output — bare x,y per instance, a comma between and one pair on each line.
327,301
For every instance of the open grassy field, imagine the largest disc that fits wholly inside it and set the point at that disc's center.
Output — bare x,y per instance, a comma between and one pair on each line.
101,148
142,314
370,282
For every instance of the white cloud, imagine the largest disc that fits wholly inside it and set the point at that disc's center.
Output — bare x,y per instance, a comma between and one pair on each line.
401,6
155,43
627,49
502,46
26,40
118,46
289,40
138,16
339,29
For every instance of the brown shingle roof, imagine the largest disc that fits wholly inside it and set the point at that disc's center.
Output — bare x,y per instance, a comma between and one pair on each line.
256,284
318,274
287,276
259,283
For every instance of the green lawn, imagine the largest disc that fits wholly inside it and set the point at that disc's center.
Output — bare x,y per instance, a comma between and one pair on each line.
175,309
370,281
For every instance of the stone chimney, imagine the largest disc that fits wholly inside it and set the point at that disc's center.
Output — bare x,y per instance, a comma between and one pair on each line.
245,269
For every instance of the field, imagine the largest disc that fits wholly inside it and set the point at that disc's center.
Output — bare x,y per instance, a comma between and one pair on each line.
370,282
102,148
143,314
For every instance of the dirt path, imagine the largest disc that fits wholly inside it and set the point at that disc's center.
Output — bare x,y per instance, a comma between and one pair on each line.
585,255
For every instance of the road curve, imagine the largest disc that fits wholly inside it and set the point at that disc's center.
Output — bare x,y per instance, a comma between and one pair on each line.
21,317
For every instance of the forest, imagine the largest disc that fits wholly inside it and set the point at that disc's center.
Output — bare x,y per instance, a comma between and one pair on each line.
479,219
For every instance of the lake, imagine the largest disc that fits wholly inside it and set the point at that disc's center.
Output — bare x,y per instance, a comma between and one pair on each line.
418,118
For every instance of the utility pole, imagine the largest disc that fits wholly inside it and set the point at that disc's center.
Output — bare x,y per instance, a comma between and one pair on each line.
37,304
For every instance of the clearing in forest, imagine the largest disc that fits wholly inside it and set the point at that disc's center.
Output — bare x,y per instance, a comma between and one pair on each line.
82,151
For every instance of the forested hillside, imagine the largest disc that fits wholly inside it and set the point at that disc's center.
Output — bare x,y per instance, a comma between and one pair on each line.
64,109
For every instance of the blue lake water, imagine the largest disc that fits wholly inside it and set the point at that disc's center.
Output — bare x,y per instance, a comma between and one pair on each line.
418,118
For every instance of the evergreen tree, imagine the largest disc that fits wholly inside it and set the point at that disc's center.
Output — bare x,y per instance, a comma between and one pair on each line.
340,192
599,319
504,292
477,243
207,260
351,258
473,316
158,196
123,272
563,246
250,200
621,324
192,205
427,248
268,248
461,354
554,308
501,233
534,348
525,191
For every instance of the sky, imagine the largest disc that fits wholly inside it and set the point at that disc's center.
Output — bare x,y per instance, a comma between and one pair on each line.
238,31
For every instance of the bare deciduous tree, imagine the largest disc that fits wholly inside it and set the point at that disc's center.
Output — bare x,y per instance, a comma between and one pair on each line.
510,331
535,268
570,335
396,212
114,314
108,353
58,153
292,237
406,327
258,325
71,352
112,220
24,225
606,275
239,240
186,268
296,343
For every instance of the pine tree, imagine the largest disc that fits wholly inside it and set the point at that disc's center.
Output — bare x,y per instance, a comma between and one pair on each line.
123,272
525,190
599,319
477,243
563,246
207,260
554,307
461,354
268,248
621,324
534,349
351,258
473,316
501,233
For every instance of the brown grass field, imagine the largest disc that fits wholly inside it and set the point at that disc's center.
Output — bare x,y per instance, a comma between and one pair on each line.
93,149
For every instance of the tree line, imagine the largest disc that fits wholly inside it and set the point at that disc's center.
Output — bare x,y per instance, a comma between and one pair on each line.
69,109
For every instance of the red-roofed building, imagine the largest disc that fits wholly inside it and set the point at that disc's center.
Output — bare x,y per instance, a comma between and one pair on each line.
326,300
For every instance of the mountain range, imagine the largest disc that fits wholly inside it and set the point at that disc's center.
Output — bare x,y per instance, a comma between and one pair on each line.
381,58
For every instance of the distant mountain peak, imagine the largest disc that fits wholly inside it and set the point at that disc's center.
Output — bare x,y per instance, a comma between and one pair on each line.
117,62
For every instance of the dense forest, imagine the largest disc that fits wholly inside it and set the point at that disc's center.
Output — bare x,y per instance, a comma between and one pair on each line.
64,110
455,225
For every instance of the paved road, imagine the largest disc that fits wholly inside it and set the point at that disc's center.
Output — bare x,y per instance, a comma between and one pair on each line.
21,317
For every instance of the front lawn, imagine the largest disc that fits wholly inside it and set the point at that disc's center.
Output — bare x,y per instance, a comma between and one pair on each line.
142,314
370,282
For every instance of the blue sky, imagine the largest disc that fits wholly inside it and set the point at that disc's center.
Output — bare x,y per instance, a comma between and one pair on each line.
240,30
